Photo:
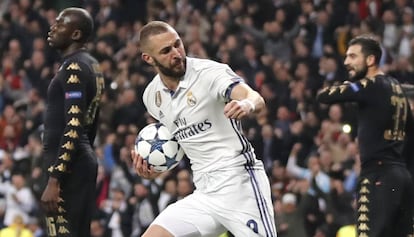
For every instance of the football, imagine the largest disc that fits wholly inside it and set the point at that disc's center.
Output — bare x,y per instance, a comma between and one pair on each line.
158,147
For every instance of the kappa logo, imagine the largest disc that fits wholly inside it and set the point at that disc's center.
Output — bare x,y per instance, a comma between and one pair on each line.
191,100
73,66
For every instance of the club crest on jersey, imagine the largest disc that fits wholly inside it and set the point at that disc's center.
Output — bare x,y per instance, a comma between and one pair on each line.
191,100
158,100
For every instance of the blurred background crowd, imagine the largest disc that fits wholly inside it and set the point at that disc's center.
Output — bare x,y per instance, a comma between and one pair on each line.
285,49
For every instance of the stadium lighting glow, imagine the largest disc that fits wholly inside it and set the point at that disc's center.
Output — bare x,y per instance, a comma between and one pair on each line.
346,128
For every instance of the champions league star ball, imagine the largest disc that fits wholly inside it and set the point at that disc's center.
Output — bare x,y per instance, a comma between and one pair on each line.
158,147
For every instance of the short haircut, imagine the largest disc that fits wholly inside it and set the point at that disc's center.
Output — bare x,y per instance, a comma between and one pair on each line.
83,21
152,28
369,46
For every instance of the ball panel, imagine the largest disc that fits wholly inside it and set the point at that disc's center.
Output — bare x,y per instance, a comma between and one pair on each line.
143,148
170,148
164,134
158,146
156,158
148,132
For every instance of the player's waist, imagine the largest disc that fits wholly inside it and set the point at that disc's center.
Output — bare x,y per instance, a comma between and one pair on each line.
379,164
214,180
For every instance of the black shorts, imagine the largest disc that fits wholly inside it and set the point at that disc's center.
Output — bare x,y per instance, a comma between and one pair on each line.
385,201
77,198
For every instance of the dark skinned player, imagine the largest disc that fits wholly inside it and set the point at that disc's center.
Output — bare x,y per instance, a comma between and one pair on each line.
70,128
385,190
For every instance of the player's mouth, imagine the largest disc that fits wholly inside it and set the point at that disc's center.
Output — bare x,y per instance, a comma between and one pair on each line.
179,63
49,37
350,69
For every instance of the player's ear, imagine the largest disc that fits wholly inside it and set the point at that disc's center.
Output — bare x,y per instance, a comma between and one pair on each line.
147,58
370,60
76,35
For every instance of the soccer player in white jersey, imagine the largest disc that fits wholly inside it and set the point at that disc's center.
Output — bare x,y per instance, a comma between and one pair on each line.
201,102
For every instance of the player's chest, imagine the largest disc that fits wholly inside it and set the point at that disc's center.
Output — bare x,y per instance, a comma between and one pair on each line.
185,107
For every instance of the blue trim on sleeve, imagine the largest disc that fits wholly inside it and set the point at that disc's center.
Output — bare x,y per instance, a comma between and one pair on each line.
354,87
230,88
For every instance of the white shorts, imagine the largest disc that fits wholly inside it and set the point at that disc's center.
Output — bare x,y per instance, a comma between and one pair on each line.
237,200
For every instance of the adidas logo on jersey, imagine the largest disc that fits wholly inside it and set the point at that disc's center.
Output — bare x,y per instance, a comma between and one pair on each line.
161,114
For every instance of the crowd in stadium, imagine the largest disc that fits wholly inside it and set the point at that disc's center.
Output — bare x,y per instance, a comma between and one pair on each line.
285,49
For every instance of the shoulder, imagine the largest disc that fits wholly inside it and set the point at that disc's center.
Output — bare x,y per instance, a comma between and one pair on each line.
383,81
152,86
81,61
197,64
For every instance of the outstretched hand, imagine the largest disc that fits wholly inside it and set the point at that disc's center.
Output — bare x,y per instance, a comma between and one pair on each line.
142,168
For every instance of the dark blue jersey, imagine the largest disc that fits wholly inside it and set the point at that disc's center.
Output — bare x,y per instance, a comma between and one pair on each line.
383,110
73,101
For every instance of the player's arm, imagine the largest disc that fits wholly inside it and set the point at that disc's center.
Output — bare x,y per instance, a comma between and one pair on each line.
74,108
74,88
358,91
243,101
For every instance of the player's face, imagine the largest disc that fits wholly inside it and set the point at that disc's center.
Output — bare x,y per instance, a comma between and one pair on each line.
355,63
168,54
59,36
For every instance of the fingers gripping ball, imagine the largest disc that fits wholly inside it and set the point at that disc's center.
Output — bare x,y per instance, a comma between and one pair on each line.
158,147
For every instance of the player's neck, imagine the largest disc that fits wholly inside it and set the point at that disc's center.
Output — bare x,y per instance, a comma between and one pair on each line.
170,82
374,71
71,49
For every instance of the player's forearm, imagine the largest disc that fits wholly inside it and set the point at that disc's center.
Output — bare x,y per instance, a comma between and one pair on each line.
256,100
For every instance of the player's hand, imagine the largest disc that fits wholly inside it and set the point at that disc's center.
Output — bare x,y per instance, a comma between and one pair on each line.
142,168
238,109
50,197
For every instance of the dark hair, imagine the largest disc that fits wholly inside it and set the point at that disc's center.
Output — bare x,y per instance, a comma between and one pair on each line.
369,46
152,28
84,22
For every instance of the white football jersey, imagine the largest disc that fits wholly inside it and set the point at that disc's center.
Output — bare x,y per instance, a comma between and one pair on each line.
194,113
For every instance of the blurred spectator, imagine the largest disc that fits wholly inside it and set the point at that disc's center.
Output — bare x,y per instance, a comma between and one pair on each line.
38,72
127,113
319,33
144,210
279,180
31,110
16,228
313,171
19,199
347,231
97,228
288,50
10,128
118,223
290,217
168,193
185,185
268,147
35,227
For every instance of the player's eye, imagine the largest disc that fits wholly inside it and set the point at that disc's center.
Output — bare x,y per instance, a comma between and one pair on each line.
177,44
